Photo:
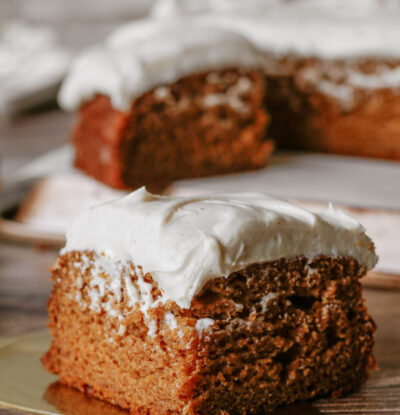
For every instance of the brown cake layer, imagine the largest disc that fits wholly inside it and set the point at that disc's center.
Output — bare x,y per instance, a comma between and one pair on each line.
317,105
204,124
282,331
217,122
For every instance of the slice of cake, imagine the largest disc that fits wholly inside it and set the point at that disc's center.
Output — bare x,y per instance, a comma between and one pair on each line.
165,102
231,304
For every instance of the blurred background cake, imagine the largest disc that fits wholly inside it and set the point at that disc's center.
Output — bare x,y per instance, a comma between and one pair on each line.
199,90
163,102
333,74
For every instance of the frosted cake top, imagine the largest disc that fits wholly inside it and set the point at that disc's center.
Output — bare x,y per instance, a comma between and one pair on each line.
151,53
188,36
186,241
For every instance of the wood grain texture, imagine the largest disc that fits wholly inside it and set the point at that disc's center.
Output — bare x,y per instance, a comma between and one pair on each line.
380,280
25,287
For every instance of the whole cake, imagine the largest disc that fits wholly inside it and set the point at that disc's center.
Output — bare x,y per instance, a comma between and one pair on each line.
165,102
228,304
333,72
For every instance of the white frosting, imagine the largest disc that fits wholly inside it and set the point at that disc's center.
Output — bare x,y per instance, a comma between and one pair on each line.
170,321
185,242
149,54
343,83
265,300
203,324
329,29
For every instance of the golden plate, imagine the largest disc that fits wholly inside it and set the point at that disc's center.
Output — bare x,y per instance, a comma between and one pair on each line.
23,380
26,386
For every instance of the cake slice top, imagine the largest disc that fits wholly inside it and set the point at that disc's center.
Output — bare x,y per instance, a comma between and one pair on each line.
152,53
186,241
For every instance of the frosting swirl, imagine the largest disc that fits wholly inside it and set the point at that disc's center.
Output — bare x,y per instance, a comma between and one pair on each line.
186,241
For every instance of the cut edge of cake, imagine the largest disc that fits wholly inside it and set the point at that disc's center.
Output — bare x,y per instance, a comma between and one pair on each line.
295,325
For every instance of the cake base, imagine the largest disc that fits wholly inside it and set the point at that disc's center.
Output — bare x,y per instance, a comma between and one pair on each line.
271,334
